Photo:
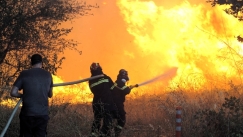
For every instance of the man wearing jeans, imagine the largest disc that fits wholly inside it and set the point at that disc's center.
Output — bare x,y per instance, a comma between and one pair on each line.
36,84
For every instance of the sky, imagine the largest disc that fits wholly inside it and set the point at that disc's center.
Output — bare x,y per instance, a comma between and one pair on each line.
148,38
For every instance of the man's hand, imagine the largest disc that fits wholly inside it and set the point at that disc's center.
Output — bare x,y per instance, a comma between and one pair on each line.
15,92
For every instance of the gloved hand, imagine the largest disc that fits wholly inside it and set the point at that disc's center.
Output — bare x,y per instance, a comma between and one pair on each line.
133,86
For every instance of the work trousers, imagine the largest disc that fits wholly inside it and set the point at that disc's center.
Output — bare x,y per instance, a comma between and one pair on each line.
120,116
101,112
33,126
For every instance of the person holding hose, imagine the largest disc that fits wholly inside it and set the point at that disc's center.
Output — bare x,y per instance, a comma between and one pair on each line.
119,91
102,103
37,85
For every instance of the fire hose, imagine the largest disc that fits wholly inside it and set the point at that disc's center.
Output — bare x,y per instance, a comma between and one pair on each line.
54,85
166,74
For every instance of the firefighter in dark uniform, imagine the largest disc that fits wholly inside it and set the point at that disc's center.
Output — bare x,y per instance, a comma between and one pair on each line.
102,102
119,91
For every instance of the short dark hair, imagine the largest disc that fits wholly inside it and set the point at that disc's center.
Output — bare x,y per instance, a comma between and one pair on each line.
36,58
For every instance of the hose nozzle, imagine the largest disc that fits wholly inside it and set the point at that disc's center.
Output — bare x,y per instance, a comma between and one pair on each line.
133,86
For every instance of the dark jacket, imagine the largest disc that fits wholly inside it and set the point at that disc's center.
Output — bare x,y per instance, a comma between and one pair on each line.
100,87
119,91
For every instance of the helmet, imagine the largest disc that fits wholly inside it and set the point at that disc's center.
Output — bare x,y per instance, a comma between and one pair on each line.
123,75
95,69
95,66
123,72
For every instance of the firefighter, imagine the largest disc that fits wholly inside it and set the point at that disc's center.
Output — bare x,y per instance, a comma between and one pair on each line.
102,102
119,91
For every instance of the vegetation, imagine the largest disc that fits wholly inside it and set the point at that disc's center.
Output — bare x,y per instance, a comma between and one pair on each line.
227,121
235,8
213,113
35,26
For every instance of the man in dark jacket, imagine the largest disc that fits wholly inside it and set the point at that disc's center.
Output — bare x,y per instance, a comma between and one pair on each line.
36,84
119,91
102,102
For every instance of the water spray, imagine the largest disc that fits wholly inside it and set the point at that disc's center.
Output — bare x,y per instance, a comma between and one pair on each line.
54,85
165,75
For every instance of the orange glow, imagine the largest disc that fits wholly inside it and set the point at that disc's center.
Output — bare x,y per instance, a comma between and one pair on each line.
77,93
8,102
149,37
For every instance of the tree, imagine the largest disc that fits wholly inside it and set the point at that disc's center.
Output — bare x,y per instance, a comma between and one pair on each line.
236,9
34,26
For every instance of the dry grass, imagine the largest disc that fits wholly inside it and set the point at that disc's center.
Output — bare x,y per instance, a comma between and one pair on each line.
148,115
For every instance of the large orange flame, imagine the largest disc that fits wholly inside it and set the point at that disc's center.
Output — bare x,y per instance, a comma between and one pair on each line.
199,39
78,93
149,37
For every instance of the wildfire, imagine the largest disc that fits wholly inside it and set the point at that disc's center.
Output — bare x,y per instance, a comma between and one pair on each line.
149,37
199,39
78,93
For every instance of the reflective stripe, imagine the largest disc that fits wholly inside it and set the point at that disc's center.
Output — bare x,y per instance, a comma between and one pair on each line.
124,87
94,134
178,128
115,85
178,120
99,82
102,135
120,127
178,112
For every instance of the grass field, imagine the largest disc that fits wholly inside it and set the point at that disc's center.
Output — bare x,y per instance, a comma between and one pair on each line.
148,115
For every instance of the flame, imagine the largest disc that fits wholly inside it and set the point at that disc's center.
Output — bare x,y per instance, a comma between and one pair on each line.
196,38
8,102
78,93
75,94
149,37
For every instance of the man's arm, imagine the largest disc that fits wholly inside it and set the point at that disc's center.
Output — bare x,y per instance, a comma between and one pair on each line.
15,92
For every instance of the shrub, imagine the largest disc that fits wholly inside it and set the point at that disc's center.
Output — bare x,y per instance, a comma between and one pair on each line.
226,122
